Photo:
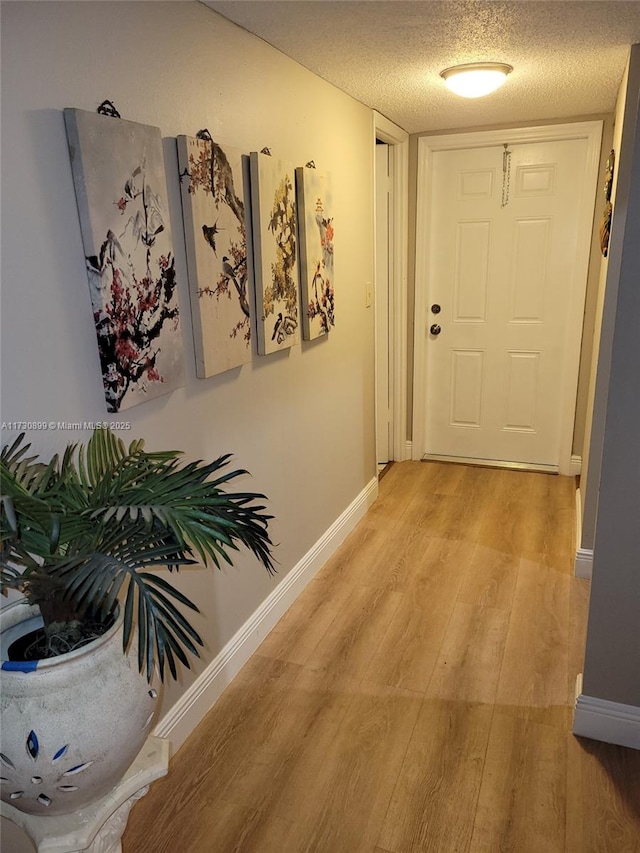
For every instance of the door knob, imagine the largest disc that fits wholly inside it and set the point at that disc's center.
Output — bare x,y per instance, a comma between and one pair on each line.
435,329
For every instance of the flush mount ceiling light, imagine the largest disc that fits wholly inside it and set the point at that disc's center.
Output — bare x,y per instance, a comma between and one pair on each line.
476,79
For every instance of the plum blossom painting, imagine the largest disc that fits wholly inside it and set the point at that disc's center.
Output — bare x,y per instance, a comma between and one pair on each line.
121,190
213,209
315,232
273,207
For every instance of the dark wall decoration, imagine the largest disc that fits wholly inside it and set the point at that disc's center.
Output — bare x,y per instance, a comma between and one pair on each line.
213,205
316,233
605,222
121,190
275,253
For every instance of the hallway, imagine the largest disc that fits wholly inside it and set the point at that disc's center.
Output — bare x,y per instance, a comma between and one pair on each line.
417,696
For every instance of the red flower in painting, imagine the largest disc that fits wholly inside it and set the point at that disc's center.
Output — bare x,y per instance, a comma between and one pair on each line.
121,204
125,351
128,326
152,373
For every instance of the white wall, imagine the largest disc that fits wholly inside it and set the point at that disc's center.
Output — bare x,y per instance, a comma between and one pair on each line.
302,422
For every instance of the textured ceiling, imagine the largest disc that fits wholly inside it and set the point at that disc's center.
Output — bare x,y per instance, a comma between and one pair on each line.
568,55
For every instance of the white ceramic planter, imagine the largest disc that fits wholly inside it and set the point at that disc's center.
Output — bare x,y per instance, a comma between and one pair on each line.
71,725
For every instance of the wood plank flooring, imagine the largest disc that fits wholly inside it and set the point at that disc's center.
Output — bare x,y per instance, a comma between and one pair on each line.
417,696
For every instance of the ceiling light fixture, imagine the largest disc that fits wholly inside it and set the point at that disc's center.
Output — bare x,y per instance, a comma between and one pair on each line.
476,79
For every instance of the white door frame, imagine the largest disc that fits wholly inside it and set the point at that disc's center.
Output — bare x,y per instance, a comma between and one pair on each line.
383,262
427,145
398,140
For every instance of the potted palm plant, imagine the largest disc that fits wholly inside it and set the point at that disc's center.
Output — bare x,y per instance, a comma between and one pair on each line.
98,629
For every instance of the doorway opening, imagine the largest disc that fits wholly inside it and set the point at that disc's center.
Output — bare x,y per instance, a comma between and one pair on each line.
391,165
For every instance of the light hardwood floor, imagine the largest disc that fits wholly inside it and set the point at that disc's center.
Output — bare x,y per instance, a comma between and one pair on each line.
416,698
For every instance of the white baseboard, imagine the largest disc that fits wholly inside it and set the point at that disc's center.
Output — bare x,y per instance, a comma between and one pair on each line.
575,467
408,450
611,722
178,723
583,565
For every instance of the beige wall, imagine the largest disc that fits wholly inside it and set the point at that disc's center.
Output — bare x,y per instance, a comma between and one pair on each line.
301,421
594,422
588,355
593,274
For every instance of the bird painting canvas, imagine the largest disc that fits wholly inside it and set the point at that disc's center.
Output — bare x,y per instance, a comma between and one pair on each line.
315,234
214,209
121,191
275,252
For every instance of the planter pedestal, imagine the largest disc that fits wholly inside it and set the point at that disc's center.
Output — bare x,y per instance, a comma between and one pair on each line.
97,827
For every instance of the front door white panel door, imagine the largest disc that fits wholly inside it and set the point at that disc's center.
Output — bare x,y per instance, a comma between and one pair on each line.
502,269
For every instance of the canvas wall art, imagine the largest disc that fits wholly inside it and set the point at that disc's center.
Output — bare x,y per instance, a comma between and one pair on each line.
315,237
121,190
213,207
275,251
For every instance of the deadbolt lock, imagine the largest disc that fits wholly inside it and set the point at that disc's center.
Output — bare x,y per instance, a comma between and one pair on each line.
435,308
435,329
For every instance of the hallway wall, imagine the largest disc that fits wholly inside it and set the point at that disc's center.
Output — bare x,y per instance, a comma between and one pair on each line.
611,670
301,421
594,422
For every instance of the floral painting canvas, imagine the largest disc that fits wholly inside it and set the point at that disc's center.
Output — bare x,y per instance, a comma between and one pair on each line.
213,207
121,191
275,249
315,232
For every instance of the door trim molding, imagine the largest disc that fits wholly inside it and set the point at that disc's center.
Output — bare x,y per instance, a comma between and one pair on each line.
427,146
398,139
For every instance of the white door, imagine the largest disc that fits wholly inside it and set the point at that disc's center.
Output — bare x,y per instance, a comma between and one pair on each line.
503,245
383,253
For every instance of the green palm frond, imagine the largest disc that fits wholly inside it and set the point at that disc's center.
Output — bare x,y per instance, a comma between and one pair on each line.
93,525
